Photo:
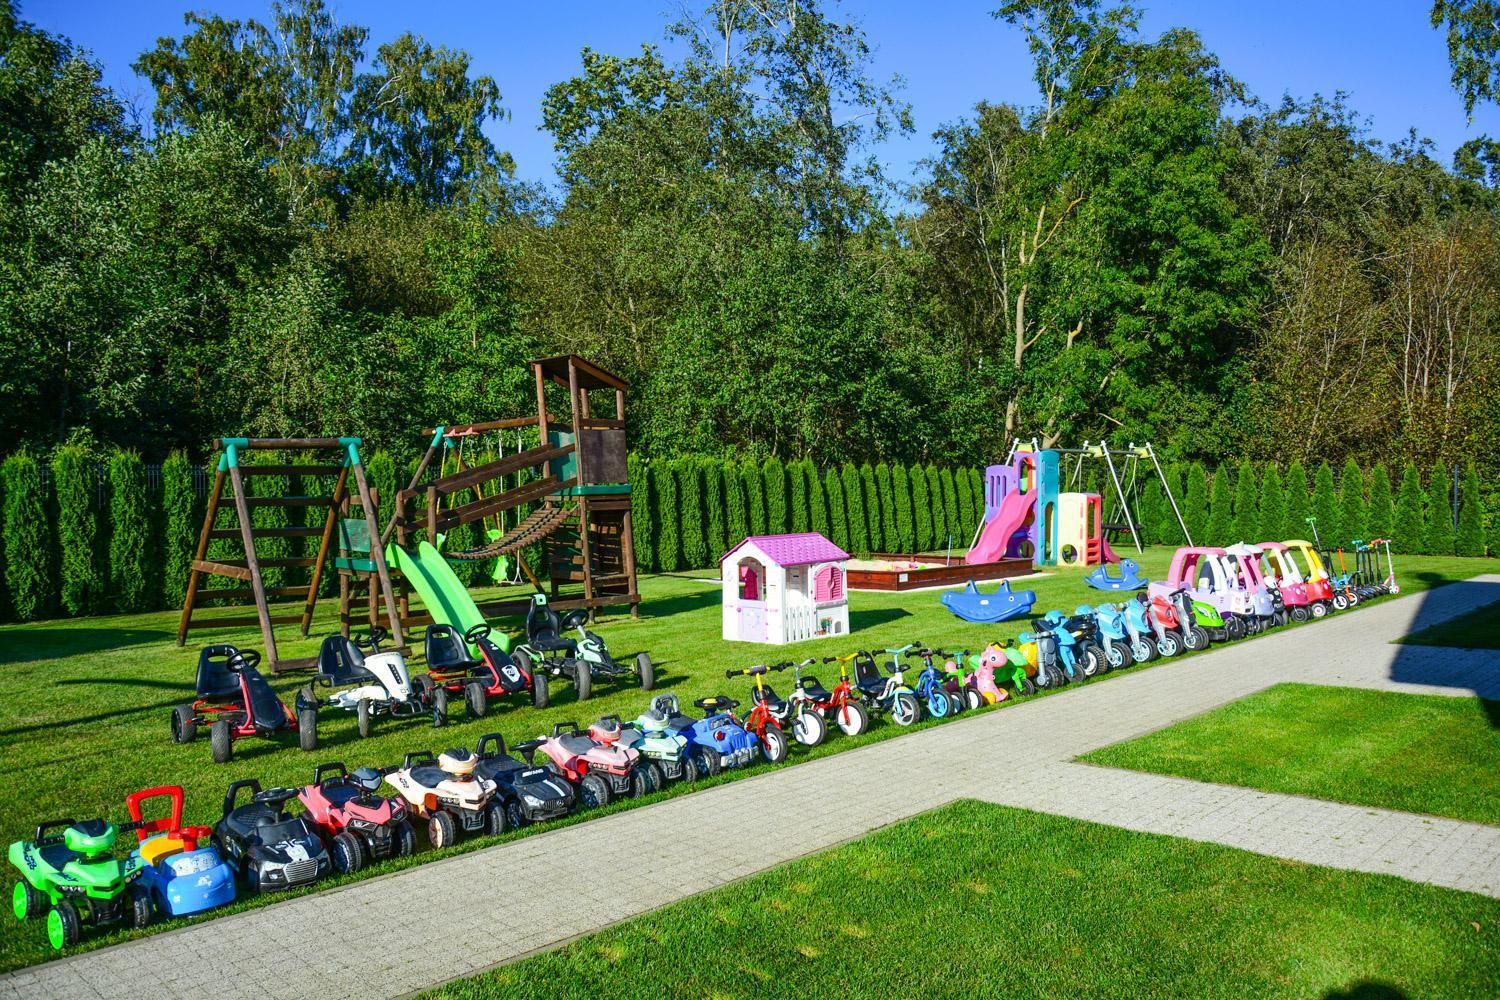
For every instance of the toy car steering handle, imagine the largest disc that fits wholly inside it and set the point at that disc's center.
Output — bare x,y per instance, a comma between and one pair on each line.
241,658
56,824
561,728
476,632
371,638
274,796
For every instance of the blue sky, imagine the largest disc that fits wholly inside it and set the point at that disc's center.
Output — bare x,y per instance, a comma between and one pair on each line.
1382,52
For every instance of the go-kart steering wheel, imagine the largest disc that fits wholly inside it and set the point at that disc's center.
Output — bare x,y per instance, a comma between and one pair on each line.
247,658
273,796
477,632
371,638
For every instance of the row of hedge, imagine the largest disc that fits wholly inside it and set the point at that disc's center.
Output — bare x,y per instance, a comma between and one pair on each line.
99,540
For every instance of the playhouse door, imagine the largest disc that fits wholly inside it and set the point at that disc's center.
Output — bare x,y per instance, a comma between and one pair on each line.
753,624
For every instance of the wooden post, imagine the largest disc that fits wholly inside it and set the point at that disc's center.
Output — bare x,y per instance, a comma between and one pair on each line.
432,513
252,562
316,580
199,555
377,554
541,401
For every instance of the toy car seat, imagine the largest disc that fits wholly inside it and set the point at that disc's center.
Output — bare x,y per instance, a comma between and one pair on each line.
341,663
816,690
215,681
544,628
447,653
458,762
867,676
265,709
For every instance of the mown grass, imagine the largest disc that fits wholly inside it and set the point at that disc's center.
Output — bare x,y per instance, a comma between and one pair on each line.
1418,753
979,900
89,701
1479,629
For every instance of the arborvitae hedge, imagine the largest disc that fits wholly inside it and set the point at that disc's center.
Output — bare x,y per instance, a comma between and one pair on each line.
1195,504
921,509
817,501
796,481
736,512
380,472
963,487
906,528
838,511
29,573
668,508
890,537
1382,514
1148,510
939,512
1409,532
715,533
1354,514
1325,506
690,511
130,533
1272,522
976,489
854,502
955,535
80,582
773,474
1246,504
642,513
872,506
180,525
1298,504
1469,541
1438,536
755,498
1221,509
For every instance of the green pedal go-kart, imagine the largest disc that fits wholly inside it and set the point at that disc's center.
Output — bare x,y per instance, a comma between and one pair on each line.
75,879
583,659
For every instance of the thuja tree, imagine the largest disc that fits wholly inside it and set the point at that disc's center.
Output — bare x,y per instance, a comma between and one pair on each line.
1220,509
1148,510
955,533
854,500
963,491
1354,513
838,513
736,512
130,533
817,501
642,513
715,533
1297,503
773,473
1325,506
976,488
1195,503
79,581
921,508
872,505
906,530
690,507
1246,504
1469,540
1408,534
1382,513
28,547
796,488
890,537
1438,535
668,543
179,526
939,512
755,497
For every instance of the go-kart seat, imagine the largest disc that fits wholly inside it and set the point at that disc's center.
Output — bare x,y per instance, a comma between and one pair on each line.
341,663
544,631
266,710
867,677
447,653
215,681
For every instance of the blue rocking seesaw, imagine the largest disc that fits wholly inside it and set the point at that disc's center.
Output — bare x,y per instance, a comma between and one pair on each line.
973,605
1129,579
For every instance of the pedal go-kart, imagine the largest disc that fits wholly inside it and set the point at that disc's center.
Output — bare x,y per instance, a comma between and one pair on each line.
601,772
273,849
235,701
73,877
357,825
528,793
494,674
584,659
365,680
446,791
668,737
181,869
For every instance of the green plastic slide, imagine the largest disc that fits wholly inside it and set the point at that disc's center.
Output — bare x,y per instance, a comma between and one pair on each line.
444,595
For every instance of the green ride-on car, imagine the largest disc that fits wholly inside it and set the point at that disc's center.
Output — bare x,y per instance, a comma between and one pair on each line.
582,659
75,879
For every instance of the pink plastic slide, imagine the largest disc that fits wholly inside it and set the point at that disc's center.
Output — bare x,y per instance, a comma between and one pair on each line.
1007,521
1107,552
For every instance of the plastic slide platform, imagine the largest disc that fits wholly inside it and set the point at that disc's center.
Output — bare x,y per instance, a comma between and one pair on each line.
1006,522
1002,604
442,593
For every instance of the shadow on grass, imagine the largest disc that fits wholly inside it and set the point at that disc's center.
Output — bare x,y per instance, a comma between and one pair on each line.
1443,666
24,645
1367,990
871,617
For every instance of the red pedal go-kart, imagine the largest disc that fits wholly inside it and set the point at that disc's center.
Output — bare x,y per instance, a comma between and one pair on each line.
357,825
235,701
451,670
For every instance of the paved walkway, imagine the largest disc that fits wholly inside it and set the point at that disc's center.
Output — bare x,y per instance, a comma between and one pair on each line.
395,935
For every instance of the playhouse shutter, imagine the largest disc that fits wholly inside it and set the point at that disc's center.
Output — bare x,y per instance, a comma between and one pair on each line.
828,584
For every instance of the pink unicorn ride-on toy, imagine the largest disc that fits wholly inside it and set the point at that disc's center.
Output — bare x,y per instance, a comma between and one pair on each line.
1002,604
1206,577
1130,577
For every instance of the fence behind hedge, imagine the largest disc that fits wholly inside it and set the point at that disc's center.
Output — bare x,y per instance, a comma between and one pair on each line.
83,535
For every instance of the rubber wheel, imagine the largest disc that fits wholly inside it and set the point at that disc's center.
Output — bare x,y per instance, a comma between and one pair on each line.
495,820
938,704
1340,602
1143,650
641,780
424,687
366,717
1320,610
441,830
593,791
406,840
646,670
476,699
773,744
1299,614
853,718
973,699
710,762
810,729
222,742
307,728
1200,637
1027,686
349,854
1168,645
515,815
540,690
1093,662
1118,657
583,680
26,902
184,726
657,774
142,911
63,925
440,706
905,708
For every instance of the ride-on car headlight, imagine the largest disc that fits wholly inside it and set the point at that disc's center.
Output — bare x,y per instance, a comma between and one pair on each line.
531,800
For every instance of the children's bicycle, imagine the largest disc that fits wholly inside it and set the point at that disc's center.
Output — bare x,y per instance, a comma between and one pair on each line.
886,694
843,704
935,688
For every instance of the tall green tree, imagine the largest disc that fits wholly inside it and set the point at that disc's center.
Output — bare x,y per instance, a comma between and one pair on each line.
1246,504
715,532
1437,534
1298,502
642,512
1221,508
755,498
130,533
668,516
737,511
955,530
1148,511
854,503
871,493
1469,539
690,506
1354,513
939,511
773,472
1325,506
796,477
817,501
1195,507
838,510
890,536
28,544
906,528
1382,513
181,521
1409,533
77,530
1271,524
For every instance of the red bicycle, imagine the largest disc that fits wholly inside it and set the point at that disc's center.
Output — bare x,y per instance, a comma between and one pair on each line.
762,719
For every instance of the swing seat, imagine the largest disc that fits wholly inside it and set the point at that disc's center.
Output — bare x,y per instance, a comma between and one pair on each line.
1130,577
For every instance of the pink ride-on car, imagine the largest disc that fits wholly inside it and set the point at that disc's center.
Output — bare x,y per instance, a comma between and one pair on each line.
1282,572
602,771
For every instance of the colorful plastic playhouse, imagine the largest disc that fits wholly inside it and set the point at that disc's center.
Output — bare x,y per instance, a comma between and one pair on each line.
785,588
1027,514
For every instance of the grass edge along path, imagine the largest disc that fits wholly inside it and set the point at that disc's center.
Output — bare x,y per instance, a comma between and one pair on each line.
1420,753
975,899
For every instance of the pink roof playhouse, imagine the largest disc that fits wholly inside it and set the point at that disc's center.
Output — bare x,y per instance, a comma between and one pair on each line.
784,588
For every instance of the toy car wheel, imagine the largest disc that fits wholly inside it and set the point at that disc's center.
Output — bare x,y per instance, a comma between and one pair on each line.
366,716
26,902
709,761
1027,686
440,706
1094,661
853,718
184,725
905,709
1168,645
1200,637
476,699
515,816
349,854
441,830
657,775
406,840
583,680
141,909
540,690
646,670
593,791
307,727
810,729
773,744
221,740
63,925
1320,610
1299,614
640,781
424,687
496,821
972,699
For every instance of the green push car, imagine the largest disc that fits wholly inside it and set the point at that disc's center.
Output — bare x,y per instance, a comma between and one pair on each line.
75,879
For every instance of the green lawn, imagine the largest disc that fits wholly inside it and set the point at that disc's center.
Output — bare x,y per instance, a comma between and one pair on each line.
1479,629
88,700
981,900
1419,753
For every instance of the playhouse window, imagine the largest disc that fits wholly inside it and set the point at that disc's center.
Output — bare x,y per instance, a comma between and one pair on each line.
752,579
828,584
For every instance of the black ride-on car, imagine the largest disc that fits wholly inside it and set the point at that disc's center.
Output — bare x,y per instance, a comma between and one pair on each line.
530,793
235,701
584,659
272,848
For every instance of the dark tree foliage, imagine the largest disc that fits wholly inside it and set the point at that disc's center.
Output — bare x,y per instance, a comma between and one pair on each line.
716,534
1298,503
1409,533
854,504
890,537
1382,514
181,520
668,506
736,511
777,511
1246,504
28,564
838,510
1354,513
690,512
1195,505
922,509
817,501
1221,509
131,582
871,493
1271,525
906,530
755,498
77,530
1437,534
801,518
